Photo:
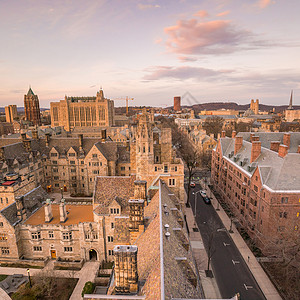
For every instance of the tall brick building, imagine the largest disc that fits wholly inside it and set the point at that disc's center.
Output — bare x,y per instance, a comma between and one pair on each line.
83,112
258,177
32,108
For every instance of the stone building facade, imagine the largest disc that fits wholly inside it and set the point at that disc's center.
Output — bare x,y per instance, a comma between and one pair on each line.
84,112
10,113
32,108
257,176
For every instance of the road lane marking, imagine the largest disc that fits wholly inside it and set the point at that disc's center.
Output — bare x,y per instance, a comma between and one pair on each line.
248,287
235,262
226,244
221,229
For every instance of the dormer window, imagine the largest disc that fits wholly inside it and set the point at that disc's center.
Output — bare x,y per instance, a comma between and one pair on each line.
71,154
114,211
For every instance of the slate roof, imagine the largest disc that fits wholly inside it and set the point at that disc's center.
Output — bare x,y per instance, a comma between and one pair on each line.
32,201
277,173
109,188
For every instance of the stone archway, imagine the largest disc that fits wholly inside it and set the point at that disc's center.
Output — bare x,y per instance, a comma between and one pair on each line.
93,255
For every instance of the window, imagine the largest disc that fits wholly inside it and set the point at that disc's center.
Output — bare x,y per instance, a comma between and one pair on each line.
67,235
171,182
4,250
56,177
166,169
110,239
71,154
155,169
36,235
72,162
82,162
95,236
96,172
53,154
112,225
1,224
114,211
54,162
68,249
37,248
73,170
51,235
56,184
122,168
283,215
284,200
94,155
110,252
175,169
55,170
255,188
3,237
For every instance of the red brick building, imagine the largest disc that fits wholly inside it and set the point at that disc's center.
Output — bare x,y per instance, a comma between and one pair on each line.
258,176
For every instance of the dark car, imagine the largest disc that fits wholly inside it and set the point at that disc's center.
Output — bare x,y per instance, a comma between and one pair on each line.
192,184
206,200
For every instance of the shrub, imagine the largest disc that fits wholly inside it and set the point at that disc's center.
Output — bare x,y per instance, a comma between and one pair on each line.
88,288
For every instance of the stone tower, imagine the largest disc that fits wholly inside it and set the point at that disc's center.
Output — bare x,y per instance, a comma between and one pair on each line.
32,108
290,107
144,146
254,106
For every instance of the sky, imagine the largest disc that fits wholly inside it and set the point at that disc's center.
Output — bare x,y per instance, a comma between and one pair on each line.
150,50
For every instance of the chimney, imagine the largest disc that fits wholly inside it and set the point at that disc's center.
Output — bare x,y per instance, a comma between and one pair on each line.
136,214
298,149
251,137
21,211
274,146
35,134
62,211
283,150
255,138
255,150
103,135
140,189
48,211
287,139
222,134
233,134
2,154
26,142
47,136
80,137
238,143
126,275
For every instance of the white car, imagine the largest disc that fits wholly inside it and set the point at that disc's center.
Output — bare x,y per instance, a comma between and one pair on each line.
203,193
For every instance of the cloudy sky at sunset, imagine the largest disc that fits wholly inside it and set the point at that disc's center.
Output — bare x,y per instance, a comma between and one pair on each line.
151,50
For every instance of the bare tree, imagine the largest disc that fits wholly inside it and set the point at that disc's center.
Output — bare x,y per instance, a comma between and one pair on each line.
213,125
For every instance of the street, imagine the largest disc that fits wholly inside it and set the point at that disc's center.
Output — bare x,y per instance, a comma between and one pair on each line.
231,272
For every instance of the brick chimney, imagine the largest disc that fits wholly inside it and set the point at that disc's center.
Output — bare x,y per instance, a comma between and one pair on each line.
80,137
222,134
103,135
283,150
233,134
21,211
274,146
255,150
136,214
251,135
140,189
238,143
255,138
298,149
47,137
287,139
48,211
62,211
126,274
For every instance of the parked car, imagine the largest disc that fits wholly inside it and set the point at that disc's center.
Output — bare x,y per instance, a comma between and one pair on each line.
203,193
192,184
206,200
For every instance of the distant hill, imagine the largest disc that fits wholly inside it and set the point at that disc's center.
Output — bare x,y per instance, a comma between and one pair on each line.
20,109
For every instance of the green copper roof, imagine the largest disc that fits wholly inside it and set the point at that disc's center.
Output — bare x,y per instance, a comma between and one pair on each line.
30,92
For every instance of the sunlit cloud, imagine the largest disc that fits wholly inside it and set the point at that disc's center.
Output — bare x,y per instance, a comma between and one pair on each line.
223,13
201,14
187,58
263,3
213,37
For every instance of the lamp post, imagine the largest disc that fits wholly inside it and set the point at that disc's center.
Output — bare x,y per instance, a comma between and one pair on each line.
62,192
29,278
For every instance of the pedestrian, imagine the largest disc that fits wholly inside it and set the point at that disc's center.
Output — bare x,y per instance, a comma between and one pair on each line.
248,258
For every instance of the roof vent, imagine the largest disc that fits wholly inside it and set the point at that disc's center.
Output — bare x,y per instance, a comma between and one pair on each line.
167,234
167,227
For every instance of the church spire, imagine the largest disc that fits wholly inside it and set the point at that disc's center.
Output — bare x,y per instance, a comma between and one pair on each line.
291,101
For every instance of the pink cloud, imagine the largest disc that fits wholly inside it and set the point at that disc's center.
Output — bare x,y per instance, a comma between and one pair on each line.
201,14
223,13
263,3
213,37
187,58
182,73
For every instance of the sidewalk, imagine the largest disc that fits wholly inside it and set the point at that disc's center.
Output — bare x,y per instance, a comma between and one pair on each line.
259,274
209,285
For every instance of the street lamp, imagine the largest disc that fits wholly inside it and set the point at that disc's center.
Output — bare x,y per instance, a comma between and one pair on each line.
62,192
196,198
29,278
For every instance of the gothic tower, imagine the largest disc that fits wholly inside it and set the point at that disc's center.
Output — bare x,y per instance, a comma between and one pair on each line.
32,108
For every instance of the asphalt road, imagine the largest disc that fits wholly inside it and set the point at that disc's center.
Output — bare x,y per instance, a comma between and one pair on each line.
230,270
